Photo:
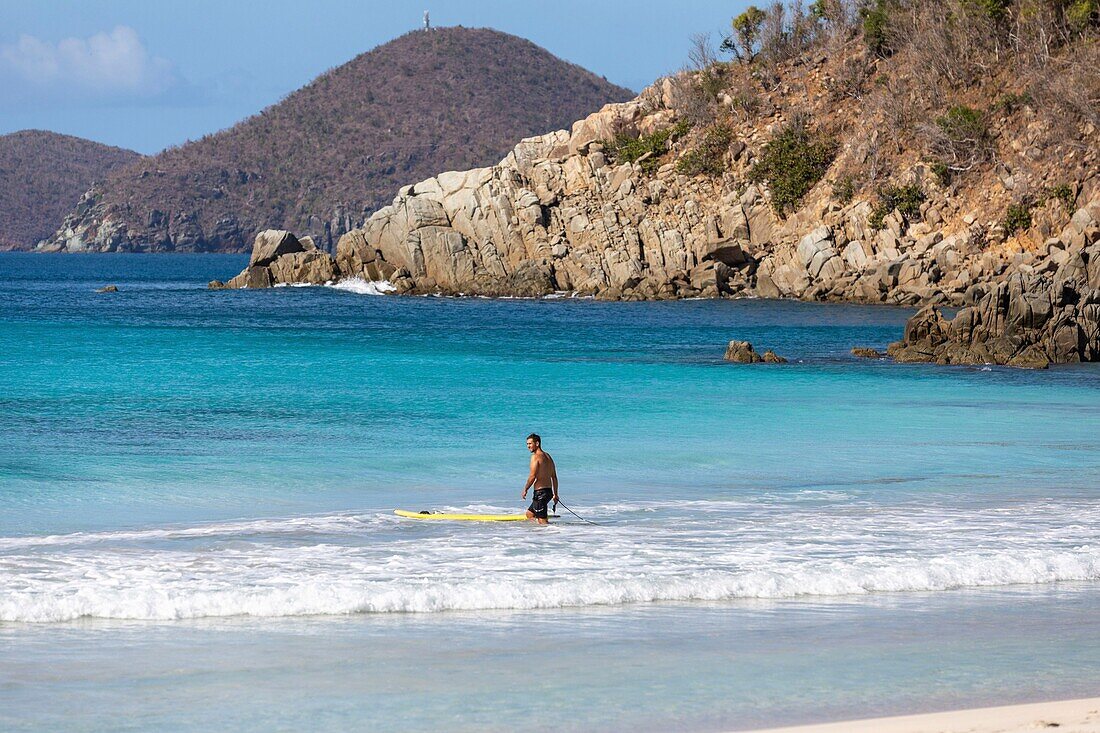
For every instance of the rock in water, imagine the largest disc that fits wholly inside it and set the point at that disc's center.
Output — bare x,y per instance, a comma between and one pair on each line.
108,289
863,352
270,244
280,258
742,352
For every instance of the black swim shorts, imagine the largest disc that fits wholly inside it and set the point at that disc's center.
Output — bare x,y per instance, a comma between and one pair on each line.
541,502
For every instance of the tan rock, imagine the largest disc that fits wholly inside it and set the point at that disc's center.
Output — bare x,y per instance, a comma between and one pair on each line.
270,244
313,267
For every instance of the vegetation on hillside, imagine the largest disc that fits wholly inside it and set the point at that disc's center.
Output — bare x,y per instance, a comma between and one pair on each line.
866,93
42,174
792,162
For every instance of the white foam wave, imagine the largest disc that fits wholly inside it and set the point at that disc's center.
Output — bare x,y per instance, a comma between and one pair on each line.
168,588
244,528
364,287
770,546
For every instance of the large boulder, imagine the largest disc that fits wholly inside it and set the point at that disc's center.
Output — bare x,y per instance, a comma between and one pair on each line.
271,244
742,352
313,267
250,277
280,258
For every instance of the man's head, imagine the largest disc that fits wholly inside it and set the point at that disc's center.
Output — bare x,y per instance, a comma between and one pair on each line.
534,442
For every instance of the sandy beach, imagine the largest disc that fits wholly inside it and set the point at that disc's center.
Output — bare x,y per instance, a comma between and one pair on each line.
1069,716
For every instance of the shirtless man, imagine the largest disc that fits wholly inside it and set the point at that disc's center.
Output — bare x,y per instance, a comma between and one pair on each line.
544,477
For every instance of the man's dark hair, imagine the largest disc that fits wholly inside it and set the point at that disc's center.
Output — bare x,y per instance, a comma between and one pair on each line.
535,437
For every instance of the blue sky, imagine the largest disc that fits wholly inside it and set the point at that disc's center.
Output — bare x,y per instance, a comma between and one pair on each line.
146,74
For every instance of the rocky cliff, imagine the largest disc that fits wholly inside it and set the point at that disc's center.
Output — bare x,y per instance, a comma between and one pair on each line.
558,214
323,159
787,188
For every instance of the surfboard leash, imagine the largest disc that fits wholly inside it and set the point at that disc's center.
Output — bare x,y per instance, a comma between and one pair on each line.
578,516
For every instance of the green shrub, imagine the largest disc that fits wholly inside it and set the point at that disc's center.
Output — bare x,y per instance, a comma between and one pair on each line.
1079,14
709,157
844,189
995,9
1017,218
906,199
746,33
1063,193
747,101
961,122
627,149
711,82
791,163
875,221
942,172
876,28
1011,102
962,138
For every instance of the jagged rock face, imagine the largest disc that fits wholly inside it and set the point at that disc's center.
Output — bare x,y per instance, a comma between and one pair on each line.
1028,321
556,215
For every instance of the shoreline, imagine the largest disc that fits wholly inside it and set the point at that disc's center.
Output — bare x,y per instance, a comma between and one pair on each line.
1070,716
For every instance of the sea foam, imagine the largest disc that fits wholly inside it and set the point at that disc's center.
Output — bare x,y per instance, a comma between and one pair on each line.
286,584
364,287
766,548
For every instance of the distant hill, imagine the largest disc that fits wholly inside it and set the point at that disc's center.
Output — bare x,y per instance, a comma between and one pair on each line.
320,161
42,174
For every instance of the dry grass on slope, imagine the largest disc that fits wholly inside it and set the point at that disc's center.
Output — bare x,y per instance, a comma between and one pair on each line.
990,107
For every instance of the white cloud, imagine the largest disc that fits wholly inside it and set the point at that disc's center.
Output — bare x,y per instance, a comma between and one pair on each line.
105,65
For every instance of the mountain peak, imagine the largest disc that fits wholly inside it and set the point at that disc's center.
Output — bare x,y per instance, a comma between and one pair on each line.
325,157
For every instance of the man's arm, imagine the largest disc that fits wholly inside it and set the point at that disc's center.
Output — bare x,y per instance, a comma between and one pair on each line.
531,475
554,483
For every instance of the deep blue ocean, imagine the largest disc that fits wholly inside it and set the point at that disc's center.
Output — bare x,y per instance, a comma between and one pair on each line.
196,495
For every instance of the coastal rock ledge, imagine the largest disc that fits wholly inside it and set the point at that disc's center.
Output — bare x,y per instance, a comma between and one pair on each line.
742,352
1018,323
1031,319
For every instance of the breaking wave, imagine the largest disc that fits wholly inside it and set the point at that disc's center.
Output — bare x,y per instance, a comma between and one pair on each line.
672,551
364,287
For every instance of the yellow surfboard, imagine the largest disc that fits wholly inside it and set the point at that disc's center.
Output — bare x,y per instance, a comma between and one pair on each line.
461,517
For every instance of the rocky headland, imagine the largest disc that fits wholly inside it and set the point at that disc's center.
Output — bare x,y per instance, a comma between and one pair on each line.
41,175
716,183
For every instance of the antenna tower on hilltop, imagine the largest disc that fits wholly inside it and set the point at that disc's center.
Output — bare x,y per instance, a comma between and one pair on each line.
427,22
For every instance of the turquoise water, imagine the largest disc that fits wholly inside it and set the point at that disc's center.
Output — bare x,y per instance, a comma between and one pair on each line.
185,471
